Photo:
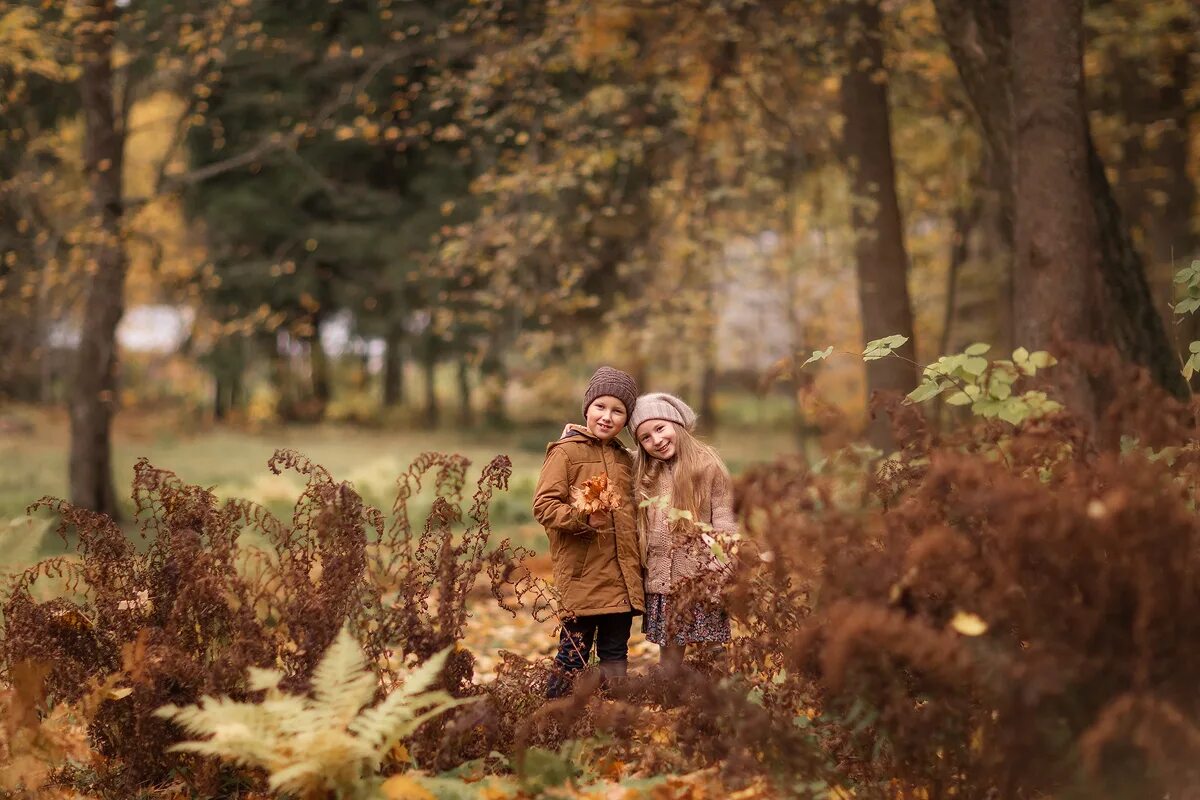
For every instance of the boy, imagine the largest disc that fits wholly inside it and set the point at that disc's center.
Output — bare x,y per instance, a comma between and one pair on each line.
596,558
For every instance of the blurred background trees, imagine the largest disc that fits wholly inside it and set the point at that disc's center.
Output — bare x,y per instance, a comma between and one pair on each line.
447,213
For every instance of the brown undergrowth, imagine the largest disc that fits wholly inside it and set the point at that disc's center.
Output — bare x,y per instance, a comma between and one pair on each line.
223,586
1016,614
990,613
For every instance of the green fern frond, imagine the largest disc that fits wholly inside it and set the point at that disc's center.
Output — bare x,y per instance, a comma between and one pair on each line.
329,742
259,679
406,708
342,685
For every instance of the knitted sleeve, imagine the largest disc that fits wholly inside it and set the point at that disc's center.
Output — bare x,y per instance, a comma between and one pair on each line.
723,519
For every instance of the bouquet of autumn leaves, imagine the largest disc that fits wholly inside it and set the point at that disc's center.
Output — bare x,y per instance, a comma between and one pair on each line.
595,495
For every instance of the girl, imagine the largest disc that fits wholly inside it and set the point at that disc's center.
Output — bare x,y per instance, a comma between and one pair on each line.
596,559
673,464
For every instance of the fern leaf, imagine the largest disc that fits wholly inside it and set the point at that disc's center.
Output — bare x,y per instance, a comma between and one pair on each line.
295,778
342,684
259,679
375,724
425,674
328,742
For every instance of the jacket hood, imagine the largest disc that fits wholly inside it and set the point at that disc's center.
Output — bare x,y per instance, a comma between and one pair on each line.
576,433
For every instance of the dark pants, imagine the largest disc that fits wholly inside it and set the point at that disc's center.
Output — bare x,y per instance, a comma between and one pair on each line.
609,633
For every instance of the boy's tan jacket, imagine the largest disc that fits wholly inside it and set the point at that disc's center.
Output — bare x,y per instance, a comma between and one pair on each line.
596,571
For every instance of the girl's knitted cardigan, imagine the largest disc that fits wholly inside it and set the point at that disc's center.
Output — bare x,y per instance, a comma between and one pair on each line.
672,556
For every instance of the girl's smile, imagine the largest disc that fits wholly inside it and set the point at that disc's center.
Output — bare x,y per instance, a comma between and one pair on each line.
657,437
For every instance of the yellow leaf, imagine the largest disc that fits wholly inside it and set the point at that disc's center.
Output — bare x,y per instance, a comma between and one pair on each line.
968,624
402,787
117,694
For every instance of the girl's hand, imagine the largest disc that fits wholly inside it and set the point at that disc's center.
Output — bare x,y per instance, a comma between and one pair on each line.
597,518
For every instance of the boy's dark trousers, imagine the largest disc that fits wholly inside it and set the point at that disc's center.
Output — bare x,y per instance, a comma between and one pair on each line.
609,632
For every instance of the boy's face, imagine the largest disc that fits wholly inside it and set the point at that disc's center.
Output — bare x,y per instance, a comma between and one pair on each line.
606,417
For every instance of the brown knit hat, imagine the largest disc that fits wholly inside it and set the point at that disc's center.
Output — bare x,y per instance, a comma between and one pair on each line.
612,382
660,405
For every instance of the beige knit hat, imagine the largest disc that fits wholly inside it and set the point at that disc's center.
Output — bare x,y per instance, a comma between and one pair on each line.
660,405
614,383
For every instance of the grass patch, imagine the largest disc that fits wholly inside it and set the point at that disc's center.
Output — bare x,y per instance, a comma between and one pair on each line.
234,464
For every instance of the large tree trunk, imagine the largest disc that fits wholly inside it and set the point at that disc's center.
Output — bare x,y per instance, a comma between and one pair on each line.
882,262
466,415
318,364
493,374
1154,188
980,36
393,365
707,396
429,359
1054,269
94,393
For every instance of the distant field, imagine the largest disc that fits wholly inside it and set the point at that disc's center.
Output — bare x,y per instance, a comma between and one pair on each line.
234,463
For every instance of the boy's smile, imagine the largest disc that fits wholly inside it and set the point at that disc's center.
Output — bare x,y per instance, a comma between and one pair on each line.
606,417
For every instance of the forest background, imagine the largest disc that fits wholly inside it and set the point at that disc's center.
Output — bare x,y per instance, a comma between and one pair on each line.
228,219
366,229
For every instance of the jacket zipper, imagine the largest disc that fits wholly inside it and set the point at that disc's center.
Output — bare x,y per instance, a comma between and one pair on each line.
613,519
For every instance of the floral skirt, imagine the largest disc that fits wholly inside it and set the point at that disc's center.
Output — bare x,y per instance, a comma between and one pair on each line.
665,625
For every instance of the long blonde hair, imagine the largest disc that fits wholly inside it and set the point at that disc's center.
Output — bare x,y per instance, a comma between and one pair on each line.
693,462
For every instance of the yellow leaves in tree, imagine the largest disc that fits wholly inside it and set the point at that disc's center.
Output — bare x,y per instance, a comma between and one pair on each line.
27,47
601,33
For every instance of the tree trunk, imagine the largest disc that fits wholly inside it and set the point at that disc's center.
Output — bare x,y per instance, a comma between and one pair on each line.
1132,322
429,364
493,382
964,220
219,397
1055,270
237,378
466,417
1154,188
707,411
882,262
318,363
707,407
94,393
1172,240
981,41
393,365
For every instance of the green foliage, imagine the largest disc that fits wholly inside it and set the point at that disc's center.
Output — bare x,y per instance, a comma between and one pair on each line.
987,386
542,769
331,740
881,348
818,355
1188,279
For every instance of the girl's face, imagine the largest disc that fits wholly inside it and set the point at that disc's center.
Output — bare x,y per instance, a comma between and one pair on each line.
606,417
657,437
